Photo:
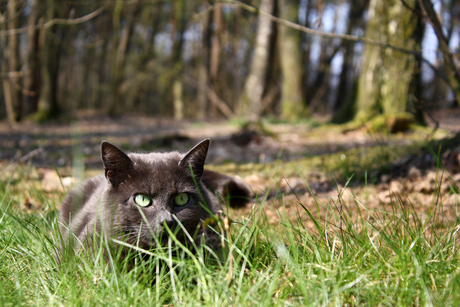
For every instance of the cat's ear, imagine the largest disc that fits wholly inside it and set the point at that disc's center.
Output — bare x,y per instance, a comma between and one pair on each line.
196,157
117,164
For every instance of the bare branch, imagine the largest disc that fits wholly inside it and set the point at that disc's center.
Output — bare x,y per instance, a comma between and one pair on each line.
13,74
53,22
221,105
433,19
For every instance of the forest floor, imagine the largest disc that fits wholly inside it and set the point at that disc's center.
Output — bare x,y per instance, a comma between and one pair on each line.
304,164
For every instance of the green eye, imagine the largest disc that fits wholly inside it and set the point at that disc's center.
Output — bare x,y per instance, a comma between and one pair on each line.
142,200
181,199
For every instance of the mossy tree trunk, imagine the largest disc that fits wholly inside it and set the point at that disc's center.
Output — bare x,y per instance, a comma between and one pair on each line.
292,100
384,85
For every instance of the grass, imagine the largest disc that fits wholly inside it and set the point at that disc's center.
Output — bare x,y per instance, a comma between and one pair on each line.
349,258
355,162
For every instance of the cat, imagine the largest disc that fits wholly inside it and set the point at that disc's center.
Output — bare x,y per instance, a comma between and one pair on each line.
140,194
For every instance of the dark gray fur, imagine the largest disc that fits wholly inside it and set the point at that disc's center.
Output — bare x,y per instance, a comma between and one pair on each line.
106,204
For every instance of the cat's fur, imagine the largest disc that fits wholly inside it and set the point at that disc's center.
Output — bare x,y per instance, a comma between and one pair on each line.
105,203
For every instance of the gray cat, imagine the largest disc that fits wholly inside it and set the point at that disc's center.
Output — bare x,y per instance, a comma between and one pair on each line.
140,194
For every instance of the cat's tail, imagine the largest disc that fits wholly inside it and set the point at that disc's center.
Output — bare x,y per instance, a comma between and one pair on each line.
232,189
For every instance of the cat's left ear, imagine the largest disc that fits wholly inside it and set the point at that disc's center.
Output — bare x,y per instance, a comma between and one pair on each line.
117,164
196,157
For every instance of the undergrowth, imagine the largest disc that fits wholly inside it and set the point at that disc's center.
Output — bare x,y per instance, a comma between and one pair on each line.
349,258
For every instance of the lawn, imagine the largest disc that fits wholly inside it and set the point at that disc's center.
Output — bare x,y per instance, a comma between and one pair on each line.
342,253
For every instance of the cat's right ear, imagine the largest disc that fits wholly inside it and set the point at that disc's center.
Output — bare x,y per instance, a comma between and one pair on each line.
196,157
117,164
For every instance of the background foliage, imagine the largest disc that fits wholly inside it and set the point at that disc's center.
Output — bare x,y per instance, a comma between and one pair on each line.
206,59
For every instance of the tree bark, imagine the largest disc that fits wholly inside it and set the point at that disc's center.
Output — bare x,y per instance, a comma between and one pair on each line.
384,84
355,18
120,45
13,60
292,100
11,116
203,64
50,42
177,64
32,79
250,104
346,91
215,43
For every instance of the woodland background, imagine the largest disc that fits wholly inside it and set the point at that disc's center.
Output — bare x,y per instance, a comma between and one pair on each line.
350,60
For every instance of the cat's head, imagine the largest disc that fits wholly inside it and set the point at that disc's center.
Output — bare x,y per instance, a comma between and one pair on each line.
148,191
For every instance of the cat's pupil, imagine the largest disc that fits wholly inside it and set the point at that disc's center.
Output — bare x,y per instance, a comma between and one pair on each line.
181,199
142,200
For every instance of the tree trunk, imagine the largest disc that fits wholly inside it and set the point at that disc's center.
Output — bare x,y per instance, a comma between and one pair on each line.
203,64
355,18
292,100
384,84
13,59
250,104
215,42
32,79
176,81
120,45
5,81
50,41
346,90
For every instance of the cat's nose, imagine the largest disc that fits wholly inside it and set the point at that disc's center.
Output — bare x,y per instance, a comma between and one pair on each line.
171,224
165,218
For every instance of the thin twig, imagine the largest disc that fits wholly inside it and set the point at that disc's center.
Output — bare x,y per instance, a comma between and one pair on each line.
14,74
53,22
31,154
219,103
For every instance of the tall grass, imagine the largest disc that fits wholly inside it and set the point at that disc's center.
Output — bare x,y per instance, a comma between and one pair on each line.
353,256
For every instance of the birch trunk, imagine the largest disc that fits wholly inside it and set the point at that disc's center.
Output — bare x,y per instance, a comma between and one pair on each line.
250,104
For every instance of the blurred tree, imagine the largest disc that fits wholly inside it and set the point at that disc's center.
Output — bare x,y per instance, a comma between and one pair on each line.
9,106
122,34
250,104
32,78
384,85
344,102
177,35
292,100
11,84
451,61
50,43
162,58
202,67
